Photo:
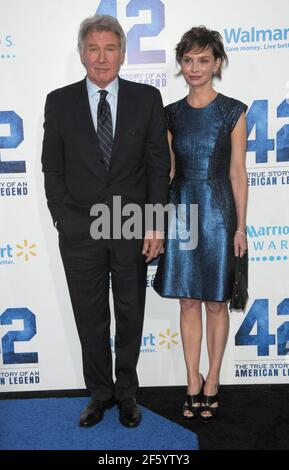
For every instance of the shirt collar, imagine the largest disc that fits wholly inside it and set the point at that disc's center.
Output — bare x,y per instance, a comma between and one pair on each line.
93,89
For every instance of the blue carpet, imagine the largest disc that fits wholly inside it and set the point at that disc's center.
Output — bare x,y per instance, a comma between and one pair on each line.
52,424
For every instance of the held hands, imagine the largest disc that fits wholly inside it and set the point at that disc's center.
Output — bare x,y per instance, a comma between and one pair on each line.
153,245
240,243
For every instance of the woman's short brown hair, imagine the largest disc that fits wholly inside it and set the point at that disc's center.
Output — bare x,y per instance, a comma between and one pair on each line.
199,38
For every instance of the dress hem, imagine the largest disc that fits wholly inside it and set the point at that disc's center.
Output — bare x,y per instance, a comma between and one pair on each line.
190,297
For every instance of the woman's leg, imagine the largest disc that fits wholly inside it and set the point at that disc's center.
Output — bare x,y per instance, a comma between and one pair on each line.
191,331
217,335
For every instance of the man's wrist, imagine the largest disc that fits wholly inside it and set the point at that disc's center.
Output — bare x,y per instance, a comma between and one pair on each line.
154,234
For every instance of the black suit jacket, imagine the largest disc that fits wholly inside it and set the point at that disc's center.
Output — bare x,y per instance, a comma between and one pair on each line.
73,165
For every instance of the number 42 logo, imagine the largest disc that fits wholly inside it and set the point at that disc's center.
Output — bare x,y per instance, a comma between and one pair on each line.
259,315
157,23
15,124
9,356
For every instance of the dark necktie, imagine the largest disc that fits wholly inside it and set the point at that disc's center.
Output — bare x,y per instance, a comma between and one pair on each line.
104,127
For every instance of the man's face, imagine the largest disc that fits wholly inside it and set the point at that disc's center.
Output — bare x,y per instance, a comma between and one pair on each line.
102,57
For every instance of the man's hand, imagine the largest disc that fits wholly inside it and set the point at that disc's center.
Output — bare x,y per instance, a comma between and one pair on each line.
153,245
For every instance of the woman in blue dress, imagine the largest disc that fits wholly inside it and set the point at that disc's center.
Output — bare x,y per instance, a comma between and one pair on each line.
207,135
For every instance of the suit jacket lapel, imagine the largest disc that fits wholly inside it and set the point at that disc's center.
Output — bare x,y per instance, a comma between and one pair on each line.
124,112
85,119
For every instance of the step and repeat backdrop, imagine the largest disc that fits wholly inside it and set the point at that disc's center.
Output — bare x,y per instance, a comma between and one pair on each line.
39,346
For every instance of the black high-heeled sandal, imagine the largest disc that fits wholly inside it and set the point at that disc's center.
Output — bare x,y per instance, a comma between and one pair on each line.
193,404
206,406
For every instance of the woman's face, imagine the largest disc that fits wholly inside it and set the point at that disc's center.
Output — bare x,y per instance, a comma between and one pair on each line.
198,67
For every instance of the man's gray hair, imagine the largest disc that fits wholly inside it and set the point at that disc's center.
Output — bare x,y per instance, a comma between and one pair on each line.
100,23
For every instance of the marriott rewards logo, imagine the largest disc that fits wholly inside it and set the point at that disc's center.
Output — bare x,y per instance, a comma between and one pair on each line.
268,243
255,39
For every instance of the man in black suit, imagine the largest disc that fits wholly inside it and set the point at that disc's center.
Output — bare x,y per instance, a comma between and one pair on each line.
105,137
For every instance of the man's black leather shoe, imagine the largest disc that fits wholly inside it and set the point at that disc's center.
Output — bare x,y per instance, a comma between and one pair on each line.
129,414
93,413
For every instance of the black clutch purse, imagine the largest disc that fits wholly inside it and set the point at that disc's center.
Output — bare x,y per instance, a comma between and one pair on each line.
240,287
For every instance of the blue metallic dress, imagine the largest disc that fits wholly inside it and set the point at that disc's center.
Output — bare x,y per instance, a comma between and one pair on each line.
202,147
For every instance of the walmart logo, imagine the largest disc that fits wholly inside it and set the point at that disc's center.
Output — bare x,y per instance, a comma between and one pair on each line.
255,35
26,250
10,253
150,344
168,339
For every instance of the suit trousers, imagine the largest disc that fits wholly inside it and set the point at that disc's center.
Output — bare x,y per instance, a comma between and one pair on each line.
89,265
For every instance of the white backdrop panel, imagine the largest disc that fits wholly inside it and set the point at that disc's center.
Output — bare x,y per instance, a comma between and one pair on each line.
39,344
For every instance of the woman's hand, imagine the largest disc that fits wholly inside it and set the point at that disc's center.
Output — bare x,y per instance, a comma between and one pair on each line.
240,244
